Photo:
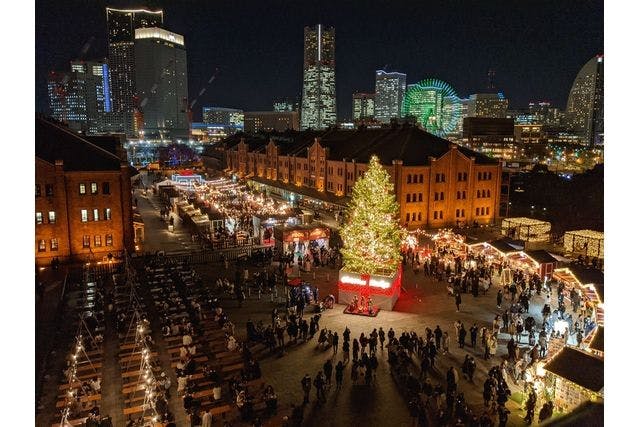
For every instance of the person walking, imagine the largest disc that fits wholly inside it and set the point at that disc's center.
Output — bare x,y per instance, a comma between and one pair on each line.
319,384
356,349
345,352
499,298
335,343
458,302
473,333
339,375
306,387
328,370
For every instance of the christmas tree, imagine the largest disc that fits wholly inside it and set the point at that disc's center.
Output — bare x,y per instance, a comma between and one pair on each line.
371,233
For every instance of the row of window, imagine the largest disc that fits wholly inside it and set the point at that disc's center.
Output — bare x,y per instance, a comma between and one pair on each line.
413,198
86,242
84,215
461,195
483,194
462,176
94,188
484,176
51,217
482,211
415,179
438,196
440,177
48,190
459,213
414,217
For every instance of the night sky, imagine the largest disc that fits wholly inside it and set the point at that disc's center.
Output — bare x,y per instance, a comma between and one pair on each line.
535,47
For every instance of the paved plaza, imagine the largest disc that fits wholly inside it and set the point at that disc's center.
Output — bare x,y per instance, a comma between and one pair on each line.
423,303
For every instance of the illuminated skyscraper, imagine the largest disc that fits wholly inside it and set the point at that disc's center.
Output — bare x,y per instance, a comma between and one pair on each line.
585,106
161,83
319,78
363,106
67,98
97,95
121,26
489,105
390,88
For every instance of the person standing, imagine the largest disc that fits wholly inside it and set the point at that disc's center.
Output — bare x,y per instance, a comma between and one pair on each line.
438,334
306,388
335,343
458,301
462,334
499,298
445,343
473,332
356,349
381,337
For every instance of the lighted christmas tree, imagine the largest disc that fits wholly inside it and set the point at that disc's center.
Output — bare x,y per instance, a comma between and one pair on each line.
371,233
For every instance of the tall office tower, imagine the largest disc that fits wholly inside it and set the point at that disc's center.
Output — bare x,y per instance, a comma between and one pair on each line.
222,116
161,83
390,89
491,105
121,26
67,98
319,78
97,94
363,106
585,106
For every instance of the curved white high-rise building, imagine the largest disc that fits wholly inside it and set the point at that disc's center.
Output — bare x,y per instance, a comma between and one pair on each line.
585,105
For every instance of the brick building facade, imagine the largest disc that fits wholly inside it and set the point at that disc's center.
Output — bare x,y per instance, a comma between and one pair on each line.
83,208
437,183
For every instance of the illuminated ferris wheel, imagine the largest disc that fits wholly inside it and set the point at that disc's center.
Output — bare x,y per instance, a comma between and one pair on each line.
434,104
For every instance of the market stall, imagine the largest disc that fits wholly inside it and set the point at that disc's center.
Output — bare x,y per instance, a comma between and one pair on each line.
533,262
298,239
589,282
585,242
526,229
573,377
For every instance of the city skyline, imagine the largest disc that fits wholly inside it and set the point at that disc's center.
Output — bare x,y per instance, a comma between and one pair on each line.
526,69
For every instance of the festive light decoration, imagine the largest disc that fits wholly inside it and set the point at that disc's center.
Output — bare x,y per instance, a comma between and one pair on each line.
371,233
527,229
589,242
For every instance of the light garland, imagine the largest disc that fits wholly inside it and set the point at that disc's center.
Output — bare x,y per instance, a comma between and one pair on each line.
527,229
589,241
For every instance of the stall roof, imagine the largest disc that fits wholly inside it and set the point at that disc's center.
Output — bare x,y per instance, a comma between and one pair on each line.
587,414
587,275
578,367
597,343
307,192
502,246
541,256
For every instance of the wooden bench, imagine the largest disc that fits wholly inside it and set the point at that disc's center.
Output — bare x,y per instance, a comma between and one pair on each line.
135,409
200,359
233,368
136,356
76,422
83,399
